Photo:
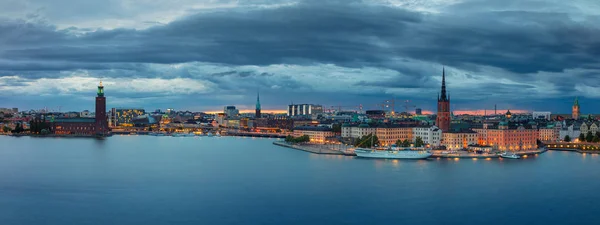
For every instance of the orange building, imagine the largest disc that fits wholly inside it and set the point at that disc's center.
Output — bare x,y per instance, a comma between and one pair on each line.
457,140
509,136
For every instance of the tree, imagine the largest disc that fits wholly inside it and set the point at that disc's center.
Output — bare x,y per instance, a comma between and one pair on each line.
589,137
596,139
419,142
567,138
403,143
581,137
367,141
5,129
337,128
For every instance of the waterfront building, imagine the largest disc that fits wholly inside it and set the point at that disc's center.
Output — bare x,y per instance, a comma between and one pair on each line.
576,110
84,126
548,133
257,113
571,130
443,108
387,134
230,111
431,135
457,139
304,110
315,133
512,136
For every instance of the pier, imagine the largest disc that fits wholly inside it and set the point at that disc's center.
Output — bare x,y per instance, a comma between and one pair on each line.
316,149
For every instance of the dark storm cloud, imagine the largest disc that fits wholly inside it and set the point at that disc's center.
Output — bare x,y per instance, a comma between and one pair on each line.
519,41
351,35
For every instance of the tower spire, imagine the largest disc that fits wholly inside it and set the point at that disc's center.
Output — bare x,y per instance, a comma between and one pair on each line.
444,97
258,114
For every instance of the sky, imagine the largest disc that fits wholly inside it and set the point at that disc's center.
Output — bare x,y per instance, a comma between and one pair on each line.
195,55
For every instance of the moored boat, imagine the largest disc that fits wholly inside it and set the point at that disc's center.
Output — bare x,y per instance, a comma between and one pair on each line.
509,155
394,153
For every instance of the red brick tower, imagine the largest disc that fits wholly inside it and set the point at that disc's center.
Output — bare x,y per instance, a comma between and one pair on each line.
443,107
101,121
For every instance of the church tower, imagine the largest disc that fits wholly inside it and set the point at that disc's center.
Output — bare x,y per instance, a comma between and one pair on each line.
257,115
576,110
101,125
443,107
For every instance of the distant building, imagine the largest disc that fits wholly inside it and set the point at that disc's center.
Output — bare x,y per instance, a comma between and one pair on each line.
541,115
304,110
125,116
375,114
576,110
443,109
419,111
316,134
231,111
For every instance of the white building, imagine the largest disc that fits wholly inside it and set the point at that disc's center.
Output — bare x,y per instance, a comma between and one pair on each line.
572,130
304,110
542,115
431,135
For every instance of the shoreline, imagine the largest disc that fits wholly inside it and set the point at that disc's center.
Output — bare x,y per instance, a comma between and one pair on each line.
314,150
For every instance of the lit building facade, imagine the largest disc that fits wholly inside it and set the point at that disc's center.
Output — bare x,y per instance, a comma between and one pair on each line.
387,134
125,116
459,139
316,134
548,134
509,136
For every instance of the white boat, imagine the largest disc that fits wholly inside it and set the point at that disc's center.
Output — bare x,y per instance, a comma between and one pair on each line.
209,134
509,155
393,153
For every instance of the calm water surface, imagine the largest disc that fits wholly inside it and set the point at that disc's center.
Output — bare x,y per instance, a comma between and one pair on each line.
228,180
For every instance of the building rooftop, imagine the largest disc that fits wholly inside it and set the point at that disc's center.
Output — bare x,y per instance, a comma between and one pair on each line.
75,120
313,128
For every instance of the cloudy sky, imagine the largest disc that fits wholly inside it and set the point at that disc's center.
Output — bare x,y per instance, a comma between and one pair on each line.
202,55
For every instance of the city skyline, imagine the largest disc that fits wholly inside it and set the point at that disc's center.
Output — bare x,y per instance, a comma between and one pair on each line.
201,56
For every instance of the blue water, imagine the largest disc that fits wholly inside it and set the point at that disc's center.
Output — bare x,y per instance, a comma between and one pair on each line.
228,180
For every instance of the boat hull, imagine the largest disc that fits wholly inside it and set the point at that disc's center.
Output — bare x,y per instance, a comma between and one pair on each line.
392,154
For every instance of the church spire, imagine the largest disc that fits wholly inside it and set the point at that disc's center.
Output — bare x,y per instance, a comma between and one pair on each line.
257,100
576,101
444,97
258,114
